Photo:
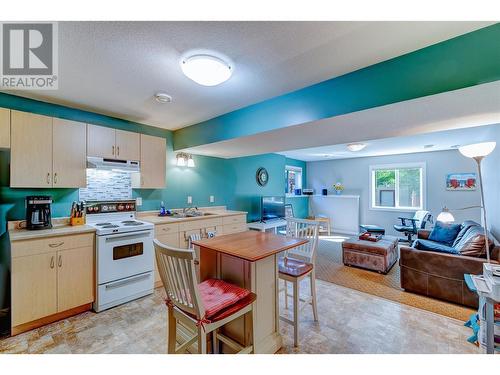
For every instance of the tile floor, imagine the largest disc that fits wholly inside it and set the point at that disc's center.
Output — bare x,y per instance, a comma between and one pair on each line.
350,322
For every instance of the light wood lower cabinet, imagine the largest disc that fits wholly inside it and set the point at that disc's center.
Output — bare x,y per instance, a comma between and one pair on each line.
54,279
75,278
34,286
170,240
177,234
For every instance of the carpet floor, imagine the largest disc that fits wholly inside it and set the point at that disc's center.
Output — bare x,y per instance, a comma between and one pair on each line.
329,267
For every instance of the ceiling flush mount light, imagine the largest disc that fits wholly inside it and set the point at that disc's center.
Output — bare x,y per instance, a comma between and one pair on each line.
354,147
161,97
184,160
206,70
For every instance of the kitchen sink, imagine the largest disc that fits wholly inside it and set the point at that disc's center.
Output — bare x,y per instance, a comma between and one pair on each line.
181,215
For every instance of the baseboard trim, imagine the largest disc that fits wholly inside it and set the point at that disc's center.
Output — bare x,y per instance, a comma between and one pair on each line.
49,319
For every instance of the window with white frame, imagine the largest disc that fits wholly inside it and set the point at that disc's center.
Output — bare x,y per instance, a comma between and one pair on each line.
293,179
397,186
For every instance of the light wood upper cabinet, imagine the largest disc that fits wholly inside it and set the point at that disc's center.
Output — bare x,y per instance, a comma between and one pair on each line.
127,145
111,143
4,128
75,278
34,281
100,141
69,153
46,152
31,150
153,162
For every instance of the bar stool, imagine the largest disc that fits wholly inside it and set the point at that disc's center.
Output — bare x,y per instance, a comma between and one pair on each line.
296,265
204,307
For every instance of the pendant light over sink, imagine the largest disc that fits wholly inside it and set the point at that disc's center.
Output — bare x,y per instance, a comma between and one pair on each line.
206,70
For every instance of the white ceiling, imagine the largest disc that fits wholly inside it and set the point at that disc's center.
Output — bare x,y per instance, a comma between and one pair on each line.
436,141
115,68
395,128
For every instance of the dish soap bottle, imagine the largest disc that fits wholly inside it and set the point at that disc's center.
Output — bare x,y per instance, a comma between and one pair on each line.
162,209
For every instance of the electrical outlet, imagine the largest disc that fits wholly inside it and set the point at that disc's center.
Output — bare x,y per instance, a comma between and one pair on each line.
212,199
190,200
138,201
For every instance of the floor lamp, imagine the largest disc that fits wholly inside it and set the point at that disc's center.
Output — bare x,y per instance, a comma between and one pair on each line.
478,151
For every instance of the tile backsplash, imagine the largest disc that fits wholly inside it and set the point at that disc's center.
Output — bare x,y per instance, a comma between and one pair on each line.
106,185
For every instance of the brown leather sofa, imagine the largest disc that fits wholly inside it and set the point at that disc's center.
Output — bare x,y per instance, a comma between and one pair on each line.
441,275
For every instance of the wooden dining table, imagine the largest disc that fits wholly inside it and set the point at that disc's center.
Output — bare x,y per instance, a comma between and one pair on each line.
249,260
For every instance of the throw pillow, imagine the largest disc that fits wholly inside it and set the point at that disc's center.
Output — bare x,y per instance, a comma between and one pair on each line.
444,233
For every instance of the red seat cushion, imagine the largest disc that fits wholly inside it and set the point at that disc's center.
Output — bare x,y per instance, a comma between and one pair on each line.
218,295
294,267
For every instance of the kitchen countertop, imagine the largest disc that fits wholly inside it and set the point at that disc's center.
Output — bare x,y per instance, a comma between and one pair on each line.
61,226
213,214
56,230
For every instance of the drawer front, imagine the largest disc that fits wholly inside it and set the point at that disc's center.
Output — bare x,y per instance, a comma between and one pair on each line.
198,224
236,219
184,237
234,228
162,229
50,244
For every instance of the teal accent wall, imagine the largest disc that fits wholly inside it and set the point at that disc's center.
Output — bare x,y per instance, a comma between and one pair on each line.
246,192
464,61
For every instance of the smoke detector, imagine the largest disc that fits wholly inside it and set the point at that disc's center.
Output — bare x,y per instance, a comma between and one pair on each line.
161,97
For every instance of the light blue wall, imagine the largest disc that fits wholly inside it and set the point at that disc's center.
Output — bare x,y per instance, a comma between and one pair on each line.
491,176
354,174
464,61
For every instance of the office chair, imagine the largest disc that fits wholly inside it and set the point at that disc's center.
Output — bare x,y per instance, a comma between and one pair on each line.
410,226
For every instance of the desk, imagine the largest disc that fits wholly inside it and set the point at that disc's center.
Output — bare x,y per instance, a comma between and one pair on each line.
263,227
249,260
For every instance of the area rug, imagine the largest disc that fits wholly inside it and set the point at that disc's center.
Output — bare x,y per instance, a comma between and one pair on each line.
329,267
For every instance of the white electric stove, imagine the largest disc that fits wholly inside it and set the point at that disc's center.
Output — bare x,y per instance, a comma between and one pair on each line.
124,253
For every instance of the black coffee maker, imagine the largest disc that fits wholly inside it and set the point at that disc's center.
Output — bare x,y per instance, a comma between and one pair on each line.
38,212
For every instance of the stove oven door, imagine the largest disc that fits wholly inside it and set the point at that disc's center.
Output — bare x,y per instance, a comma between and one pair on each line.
123,255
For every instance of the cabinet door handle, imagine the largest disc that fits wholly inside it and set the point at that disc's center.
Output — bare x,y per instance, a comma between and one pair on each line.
118,150
60,261
55,178
48,178
52,262
56,244
112,150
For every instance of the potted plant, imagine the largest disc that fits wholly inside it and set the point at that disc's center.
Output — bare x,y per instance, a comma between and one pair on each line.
338,187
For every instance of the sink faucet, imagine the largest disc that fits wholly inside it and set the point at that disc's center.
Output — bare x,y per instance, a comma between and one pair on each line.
185,210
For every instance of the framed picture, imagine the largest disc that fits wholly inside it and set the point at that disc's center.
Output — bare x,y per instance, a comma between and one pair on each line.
461,181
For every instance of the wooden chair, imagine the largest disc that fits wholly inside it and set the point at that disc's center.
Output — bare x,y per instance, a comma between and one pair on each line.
324,223
188,302
297,264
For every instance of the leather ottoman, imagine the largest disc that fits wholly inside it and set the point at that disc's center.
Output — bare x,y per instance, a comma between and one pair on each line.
377,256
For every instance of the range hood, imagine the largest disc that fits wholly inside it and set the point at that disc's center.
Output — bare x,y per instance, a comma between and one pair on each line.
113,164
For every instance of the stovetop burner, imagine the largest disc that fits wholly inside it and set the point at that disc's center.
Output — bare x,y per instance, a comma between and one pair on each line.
102,224
110,226
131,223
